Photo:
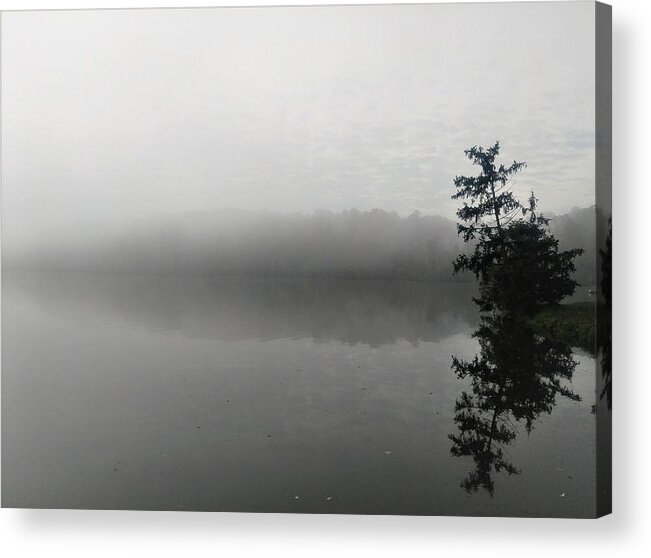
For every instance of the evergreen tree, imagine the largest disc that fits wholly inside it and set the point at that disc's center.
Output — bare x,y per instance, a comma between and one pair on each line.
492,203
516,260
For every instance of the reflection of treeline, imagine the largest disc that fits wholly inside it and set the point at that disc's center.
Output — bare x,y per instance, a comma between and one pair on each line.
348,311
352,244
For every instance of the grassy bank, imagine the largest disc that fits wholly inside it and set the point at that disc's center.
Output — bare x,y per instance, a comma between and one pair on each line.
574,324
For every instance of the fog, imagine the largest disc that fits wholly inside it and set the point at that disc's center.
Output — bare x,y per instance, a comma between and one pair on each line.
351,244
131,120
348,244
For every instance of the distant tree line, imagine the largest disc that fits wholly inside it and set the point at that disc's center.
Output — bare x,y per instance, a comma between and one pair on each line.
351,244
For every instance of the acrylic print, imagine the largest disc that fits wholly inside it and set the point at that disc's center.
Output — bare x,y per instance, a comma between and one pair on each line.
342,260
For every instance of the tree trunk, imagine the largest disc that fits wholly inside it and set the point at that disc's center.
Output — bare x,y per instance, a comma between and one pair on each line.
496,209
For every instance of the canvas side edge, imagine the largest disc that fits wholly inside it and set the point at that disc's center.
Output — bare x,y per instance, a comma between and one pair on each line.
603,199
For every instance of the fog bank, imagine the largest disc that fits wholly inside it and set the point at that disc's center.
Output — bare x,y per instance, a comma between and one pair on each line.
352,244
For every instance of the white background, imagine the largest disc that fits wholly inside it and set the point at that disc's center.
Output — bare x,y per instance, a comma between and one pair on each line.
625,533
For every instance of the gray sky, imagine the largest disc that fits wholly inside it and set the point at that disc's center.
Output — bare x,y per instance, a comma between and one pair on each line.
111,117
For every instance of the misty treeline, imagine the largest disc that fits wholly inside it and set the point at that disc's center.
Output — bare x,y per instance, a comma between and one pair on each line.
350,244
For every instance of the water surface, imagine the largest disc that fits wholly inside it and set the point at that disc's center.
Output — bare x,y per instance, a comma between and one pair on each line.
130,392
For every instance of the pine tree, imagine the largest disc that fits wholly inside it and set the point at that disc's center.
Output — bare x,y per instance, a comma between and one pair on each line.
517,260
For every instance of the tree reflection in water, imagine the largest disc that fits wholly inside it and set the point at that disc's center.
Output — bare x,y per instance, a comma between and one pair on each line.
604,339
516,377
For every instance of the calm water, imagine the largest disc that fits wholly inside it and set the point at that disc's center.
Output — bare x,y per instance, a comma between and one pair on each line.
253,395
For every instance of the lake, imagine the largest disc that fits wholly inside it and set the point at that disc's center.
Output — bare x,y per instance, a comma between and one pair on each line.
160,393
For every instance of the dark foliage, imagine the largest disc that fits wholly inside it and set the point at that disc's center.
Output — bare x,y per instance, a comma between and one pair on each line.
517,261
605,340
492,203
607,266
530,273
